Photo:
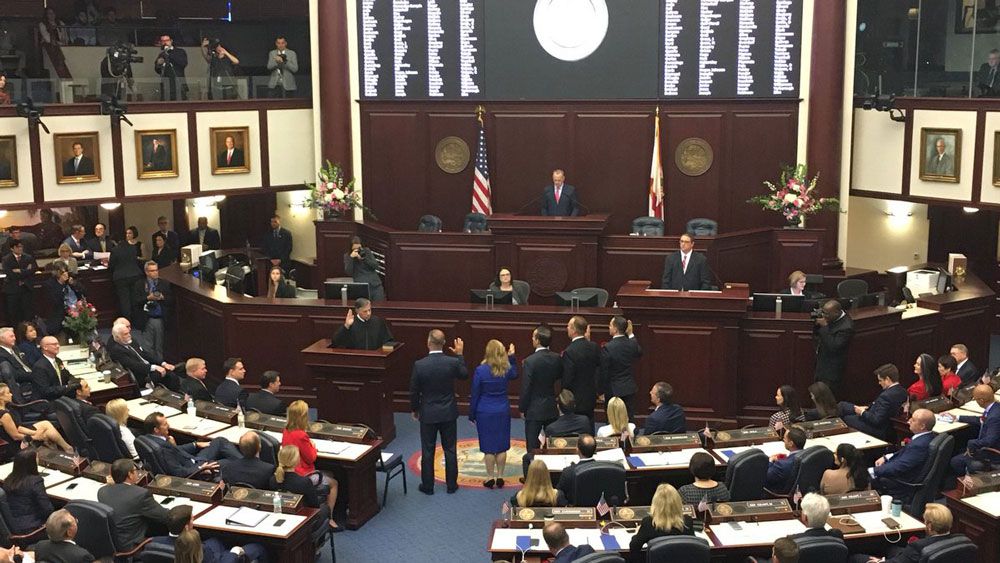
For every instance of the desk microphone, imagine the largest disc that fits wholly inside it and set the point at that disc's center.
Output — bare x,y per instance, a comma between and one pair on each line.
715,276
586,210
533,200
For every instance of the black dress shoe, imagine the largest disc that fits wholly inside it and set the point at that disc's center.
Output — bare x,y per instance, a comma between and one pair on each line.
429,491
499,483
489,483
451,490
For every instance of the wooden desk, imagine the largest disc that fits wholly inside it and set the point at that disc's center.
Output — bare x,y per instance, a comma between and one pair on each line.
288,537
978,518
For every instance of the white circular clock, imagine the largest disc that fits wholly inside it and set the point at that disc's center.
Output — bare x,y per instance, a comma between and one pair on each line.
570,30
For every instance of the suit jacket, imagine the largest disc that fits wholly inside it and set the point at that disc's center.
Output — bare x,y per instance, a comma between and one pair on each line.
212,240
212,549
176,462
363,270
885,406
159,158
538,395
580,362
831,349
363,335
904,466
178,59
55,299
914,550
45,381
237,159
968,373
124,261
18,282
87,409
617,378
254,472
819,533
666,418
139,294
944,165
567,206
197,389
279,247
267,403
134,507
61,552
572,553
75,246
93,244
432,387
5,171
779,473
283,72
697,276
12,369
173,239
987,430
569,424
137,360
85,168
230,393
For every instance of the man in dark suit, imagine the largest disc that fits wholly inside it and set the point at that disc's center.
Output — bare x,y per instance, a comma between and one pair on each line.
76,244
181,461
432,403
19,268
779,472
966,369
170,235
266,400
666,416
557,541
686,269
134,506
61,528
815,510
99,241
832,334
5,170
170,65
14,366
569,423
82,400
905,465
79,164
361,329
181,518
937,523
158,158
874,420
152,299
538,396
987,430
617,376
559,198
586,447
230,392
277,244
580,362
206,236
50,378
146,368
249,469
230,157
194,384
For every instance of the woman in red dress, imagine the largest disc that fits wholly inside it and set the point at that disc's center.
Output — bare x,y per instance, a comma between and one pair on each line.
295,435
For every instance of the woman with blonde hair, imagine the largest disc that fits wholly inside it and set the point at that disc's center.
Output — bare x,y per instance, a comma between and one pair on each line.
537,490
489,408
295,435
666,518
187,548
796,283
118,410
12,430
617,420
286,479
66,257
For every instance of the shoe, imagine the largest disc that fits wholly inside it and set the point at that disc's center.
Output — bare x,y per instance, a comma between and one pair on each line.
451,490
429,491
520,480
499,483
489,483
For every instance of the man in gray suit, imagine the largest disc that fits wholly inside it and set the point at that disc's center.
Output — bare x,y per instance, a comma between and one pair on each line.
940,163
282,63
134,506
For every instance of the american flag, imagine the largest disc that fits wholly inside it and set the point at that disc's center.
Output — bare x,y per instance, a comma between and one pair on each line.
602,506
703,504
482,196
505,508
797,497
656,174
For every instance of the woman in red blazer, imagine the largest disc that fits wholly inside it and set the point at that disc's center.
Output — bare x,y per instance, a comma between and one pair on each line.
295,435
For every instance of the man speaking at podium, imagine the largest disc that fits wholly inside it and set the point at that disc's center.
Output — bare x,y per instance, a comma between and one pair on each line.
361,329
684,270
559,199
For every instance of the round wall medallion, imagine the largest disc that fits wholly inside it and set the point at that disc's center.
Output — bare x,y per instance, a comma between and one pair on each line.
452,155
316,426
252,416
693,156
570,30
546,276
723,437
642,441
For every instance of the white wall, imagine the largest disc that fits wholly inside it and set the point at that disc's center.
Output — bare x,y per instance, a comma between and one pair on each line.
24,191
298,220
147,122
965,121
877,158
291,157
142,215
878,241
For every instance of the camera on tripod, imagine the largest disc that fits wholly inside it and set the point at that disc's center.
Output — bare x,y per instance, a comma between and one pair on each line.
121,56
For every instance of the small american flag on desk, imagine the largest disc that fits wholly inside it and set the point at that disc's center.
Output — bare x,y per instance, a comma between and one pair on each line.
482,195
602,506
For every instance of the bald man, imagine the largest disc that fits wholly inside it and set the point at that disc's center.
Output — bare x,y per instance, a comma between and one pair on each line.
987,429
905,464
249,469
49,377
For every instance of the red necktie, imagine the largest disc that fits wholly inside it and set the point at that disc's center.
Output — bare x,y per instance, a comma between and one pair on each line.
558,191
684,263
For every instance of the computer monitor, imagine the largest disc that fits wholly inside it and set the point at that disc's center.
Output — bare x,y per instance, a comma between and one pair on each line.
355,290
499,297
767,302
565,299
208,264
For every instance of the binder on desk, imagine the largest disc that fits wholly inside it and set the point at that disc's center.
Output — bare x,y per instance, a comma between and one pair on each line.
245,516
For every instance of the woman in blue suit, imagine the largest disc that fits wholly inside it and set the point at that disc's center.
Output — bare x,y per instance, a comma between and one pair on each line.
489,408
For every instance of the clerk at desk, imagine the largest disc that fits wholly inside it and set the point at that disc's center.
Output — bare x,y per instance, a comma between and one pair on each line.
361,329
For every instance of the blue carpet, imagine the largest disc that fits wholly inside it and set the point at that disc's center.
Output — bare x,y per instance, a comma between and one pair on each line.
441,527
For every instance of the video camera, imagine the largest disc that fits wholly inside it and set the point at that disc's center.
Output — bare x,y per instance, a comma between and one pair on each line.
213,43
121,56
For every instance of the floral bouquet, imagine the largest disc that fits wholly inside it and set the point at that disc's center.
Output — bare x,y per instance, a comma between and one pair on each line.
334,194
81,319
794,196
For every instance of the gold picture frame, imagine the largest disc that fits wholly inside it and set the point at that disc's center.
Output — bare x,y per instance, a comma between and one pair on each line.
8,161
156,154
940,155
996,159
238,162
68,169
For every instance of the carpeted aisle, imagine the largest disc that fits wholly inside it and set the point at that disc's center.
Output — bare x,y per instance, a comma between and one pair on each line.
442,527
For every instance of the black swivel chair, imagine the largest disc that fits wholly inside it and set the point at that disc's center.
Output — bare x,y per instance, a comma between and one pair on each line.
822,549
475,223
745,475
71,423
148,449
813,462
601,557
429,224
269,447
7,536
647,226
851,288
926,487
585,293
106,439
688,549
702,227
956,549
95,533
157,553
597,478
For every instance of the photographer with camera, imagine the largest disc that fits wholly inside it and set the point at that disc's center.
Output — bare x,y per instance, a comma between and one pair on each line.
361,265
170,64
221,70
832,334
282,63
151,297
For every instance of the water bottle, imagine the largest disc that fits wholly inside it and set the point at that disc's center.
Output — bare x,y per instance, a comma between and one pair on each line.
276,502
190,408
777,306
92,358
240,419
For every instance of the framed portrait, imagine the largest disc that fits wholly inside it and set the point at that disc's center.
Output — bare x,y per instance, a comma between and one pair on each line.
996,159
978,15
78,157
8,161
230,150
940,155
156,154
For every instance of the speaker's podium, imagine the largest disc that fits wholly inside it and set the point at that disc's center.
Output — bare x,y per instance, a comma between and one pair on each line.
352,385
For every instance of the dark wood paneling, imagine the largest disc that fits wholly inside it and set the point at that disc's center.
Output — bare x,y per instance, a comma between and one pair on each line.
445,187
621,186
335,95
245,218
758,145
433,259
527,147
682,190
394,165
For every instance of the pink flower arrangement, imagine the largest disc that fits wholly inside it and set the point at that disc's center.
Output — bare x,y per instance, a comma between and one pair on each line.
81,318
794,195
333,193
